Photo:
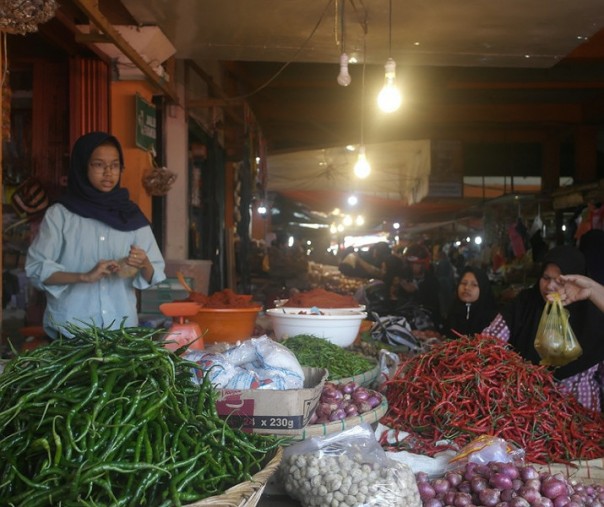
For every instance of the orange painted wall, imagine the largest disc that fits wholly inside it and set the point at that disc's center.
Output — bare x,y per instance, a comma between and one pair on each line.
123,122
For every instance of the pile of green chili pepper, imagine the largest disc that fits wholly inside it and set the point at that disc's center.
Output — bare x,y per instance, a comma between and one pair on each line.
113,418
320,353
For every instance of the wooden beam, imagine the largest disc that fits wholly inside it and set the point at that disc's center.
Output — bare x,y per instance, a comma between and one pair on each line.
90,8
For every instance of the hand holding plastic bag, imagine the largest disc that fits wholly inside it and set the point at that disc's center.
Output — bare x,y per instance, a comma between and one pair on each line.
556,342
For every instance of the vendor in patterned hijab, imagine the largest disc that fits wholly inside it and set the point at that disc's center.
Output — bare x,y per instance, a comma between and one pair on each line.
517,324
94,246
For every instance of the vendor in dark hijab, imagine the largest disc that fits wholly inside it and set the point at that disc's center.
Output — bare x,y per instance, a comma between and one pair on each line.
518,322
95,246
474,305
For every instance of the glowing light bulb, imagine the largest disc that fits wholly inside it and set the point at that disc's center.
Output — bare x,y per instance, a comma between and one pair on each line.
389,98
353,200
362,167
344,77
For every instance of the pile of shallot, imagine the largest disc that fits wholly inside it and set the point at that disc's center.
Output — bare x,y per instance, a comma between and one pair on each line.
506,485
340,401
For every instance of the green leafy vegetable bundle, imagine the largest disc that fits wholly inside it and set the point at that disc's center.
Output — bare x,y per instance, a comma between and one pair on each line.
112,418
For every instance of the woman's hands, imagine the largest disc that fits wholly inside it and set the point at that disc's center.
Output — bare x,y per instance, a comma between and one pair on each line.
578,288
101,270
137,258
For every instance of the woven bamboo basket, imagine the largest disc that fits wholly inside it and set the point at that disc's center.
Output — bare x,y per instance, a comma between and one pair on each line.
585,471
366,379
245,494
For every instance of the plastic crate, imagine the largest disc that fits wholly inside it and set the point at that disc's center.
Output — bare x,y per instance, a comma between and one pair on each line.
164,292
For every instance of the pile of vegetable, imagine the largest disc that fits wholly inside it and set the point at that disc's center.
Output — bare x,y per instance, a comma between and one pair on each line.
340,401
471,386
346,480
320,353
505,485
112,418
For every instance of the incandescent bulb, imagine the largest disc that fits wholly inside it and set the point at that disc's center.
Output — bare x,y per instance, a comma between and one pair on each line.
389,98
344,77
362,167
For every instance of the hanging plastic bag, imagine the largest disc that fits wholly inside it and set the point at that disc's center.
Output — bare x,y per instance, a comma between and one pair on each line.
555,341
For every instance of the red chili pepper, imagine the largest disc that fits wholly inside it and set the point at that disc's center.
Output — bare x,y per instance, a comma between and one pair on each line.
475,385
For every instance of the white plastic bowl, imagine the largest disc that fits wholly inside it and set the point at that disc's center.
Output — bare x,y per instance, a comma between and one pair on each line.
339,326
280,303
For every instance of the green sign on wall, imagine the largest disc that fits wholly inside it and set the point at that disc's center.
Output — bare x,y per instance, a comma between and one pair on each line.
146,131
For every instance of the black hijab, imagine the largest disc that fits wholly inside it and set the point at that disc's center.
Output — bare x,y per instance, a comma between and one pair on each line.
524,313
113,208
472,318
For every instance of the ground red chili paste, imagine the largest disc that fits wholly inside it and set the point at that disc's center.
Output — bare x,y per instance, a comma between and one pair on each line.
223,299
321,298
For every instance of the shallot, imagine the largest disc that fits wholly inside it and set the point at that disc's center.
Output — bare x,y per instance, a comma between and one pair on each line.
340,401
506,485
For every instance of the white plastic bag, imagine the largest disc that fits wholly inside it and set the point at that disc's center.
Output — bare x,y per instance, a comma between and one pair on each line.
257,363
349,467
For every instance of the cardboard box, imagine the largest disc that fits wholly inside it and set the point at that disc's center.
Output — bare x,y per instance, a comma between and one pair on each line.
272,411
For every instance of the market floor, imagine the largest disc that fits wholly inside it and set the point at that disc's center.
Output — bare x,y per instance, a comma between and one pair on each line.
268,500
275,496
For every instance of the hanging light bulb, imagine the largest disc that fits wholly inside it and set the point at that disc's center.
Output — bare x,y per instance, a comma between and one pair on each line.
344,77
389,98
362,167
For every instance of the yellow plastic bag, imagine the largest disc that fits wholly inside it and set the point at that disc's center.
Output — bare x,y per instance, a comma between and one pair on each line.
556,342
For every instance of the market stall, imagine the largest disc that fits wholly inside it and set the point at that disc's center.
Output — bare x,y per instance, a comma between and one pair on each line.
274,419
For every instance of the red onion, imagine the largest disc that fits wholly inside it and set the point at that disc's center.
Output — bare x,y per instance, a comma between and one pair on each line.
421,477
440,485
528,472
544,502
337,415
529,494
449,497
360,395
454,478
507,494
489,497
374,400
462,500
349,388
518,501
433,502
426,491
500,481
553,488
351,410
496,488
478,484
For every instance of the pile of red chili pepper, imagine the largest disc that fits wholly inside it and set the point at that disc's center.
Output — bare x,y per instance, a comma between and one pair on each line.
473,386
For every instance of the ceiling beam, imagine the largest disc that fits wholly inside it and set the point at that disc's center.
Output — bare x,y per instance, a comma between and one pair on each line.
90,8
